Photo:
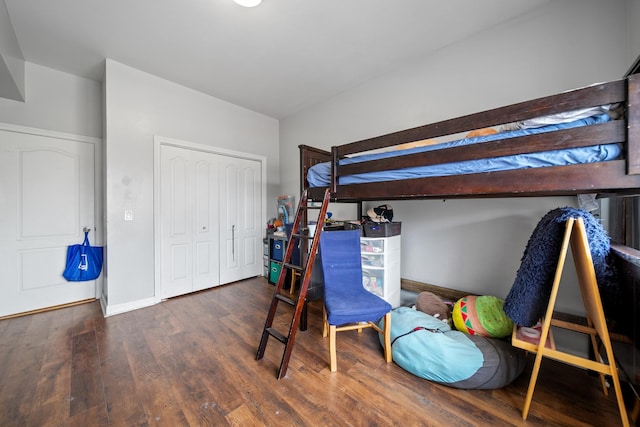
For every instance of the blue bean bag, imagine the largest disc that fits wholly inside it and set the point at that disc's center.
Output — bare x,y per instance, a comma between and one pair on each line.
429,348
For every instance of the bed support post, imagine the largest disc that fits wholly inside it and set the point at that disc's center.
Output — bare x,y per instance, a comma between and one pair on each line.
633,124
334,169
303,168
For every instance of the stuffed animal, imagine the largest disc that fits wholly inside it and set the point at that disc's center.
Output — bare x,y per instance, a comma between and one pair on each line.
481,132
433,305
415,144
482,315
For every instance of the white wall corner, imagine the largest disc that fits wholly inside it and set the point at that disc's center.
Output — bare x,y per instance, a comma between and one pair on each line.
11,60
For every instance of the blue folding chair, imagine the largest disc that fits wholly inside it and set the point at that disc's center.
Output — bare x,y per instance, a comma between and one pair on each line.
347,304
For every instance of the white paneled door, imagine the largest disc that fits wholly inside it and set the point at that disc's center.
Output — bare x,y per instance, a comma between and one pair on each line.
240,213
210,210
46,199
189,218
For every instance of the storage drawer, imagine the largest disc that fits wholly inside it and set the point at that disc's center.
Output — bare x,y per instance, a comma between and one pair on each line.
274,271
373,281
372,260
372,245
381,229
277,249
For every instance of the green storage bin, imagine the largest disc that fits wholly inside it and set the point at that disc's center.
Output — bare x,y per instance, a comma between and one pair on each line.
274,271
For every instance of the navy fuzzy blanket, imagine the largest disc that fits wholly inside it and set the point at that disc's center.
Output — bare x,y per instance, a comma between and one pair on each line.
529,296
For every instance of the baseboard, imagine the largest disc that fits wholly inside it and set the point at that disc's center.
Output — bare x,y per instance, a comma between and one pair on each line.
113,309
446,293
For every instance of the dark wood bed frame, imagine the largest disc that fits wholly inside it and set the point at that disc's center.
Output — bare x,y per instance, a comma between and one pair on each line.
612,177
618,177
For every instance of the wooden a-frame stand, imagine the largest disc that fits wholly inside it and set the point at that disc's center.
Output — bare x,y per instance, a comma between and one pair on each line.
576,236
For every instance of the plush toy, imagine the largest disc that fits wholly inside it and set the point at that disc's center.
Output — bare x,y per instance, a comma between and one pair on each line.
481,315
415,144
481,132
431,304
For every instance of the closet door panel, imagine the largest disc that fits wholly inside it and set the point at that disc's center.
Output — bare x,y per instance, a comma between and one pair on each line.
229,221
250,261
189,218
206,270
241,234
252,229
176,246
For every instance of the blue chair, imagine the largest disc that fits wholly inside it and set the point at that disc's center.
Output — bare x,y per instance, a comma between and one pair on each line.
347,304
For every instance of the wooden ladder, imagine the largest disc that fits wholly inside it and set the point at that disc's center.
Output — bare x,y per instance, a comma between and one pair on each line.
300,231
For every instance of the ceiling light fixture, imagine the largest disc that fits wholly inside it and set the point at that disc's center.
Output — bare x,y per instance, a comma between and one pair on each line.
248,3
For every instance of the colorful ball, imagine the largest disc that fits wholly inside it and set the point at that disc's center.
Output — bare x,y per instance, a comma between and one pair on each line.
481,315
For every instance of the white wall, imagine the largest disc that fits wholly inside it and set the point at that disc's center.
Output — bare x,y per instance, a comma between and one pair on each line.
11,59
633,17
137,107
472,245
56,101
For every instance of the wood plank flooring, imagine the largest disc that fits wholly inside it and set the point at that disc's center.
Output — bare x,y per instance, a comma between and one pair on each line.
190,361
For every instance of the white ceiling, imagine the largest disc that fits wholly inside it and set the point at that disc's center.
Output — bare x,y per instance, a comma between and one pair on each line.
276,59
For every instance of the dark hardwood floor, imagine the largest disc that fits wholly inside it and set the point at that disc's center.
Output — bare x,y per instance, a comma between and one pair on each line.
190,361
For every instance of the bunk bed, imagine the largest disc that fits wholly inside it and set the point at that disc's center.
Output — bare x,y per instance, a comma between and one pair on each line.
595,155
614,173
599,154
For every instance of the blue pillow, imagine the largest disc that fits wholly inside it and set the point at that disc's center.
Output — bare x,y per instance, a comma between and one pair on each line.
529,296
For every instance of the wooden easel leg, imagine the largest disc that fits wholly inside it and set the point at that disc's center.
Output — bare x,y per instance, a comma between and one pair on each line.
546,324
615,379
621,407
532,385
596,350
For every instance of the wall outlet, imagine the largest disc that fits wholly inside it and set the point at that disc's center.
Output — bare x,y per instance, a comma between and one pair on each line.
128,215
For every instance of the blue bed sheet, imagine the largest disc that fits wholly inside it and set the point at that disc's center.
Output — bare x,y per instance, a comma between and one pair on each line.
319,175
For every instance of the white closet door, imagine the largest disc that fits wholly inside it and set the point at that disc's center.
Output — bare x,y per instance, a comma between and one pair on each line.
240,228
206,267
188,216
46,198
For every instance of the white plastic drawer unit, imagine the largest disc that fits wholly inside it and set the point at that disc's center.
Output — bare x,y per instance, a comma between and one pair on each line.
381,267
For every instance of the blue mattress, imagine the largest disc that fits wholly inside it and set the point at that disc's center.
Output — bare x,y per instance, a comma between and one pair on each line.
320,174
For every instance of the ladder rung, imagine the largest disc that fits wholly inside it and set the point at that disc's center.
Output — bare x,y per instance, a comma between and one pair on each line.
288,300
303,236
292,266
277,335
